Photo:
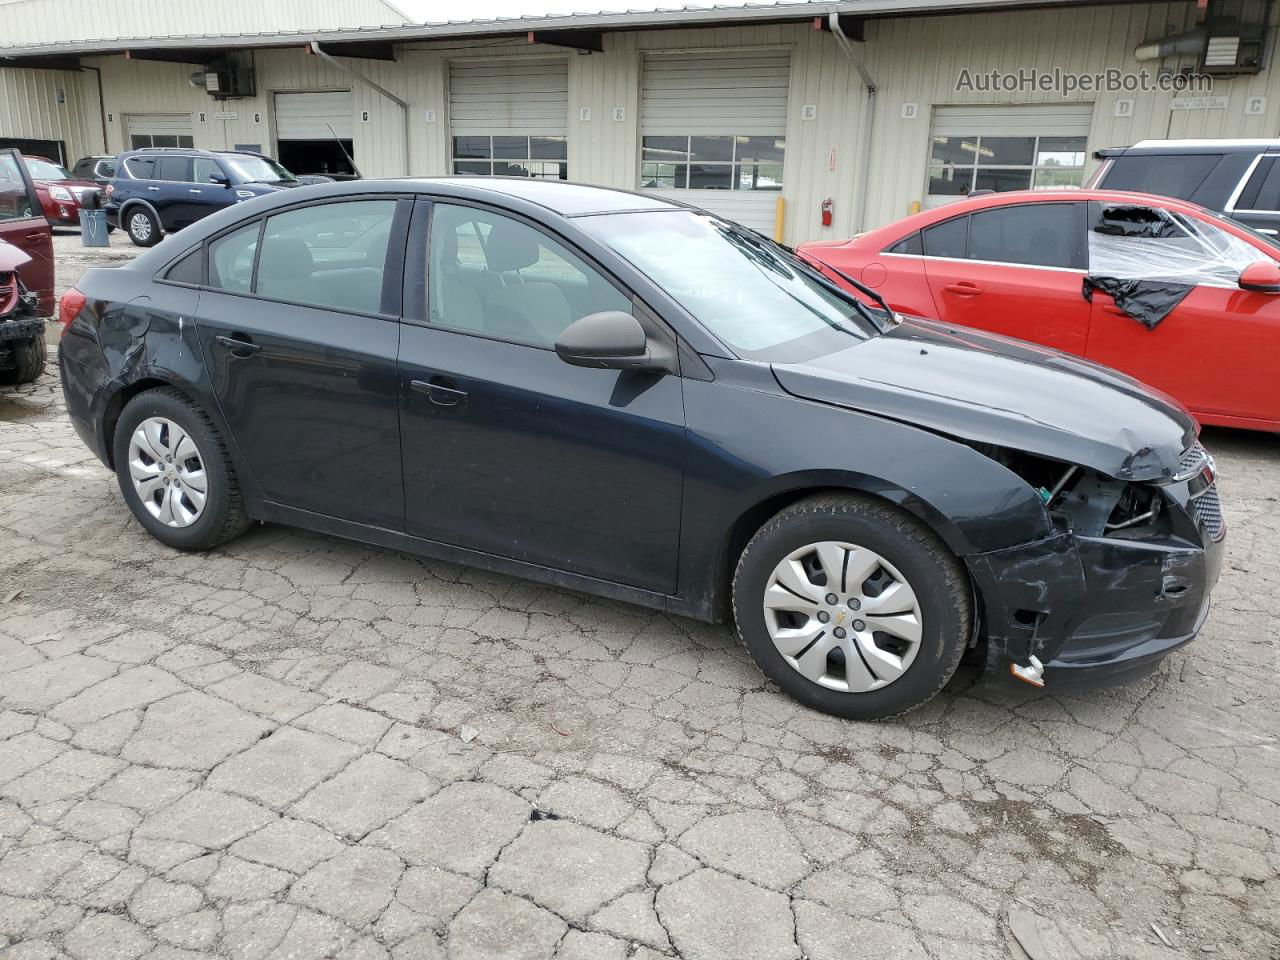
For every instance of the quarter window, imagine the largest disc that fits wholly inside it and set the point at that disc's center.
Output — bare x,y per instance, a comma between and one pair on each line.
958,165
947,239
332,255
493,275
190,269
545,158
141,168
712,163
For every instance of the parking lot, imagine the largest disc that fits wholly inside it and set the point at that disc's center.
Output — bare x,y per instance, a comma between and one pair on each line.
299,747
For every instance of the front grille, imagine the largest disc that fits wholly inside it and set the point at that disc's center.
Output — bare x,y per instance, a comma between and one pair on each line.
1207,510
1192,458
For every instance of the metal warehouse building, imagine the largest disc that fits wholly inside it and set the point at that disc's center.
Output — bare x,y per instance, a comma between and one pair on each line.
766,113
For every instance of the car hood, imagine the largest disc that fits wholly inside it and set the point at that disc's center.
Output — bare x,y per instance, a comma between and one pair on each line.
985,388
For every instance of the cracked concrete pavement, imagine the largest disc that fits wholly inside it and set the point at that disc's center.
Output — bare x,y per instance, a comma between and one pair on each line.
256,753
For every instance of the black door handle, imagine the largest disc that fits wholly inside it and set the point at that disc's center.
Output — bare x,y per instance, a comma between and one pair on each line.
240,345
441,390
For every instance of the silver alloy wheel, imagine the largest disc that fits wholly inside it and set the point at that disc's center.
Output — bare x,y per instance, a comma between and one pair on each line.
843,616
140,226
168,472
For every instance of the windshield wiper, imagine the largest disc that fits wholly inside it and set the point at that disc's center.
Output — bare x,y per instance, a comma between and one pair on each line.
795,259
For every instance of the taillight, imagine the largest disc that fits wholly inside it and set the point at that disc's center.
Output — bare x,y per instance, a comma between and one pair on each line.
69,307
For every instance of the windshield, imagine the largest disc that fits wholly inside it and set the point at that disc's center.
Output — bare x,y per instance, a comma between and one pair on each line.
44,170
737,284
258,170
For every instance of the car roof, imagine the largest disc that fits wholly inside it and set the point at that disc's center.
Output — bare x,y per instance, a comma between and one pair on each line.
926,218
566,199
1152,148
188,152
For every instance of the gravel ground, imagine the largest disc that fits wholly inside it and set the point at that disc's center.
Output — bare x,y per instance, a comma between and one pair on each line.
298,747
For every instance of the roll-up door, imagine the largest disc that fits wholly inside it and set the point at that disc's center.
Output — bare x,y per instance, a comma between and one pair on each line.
1003,147
158,130
314,116
510,117
713,131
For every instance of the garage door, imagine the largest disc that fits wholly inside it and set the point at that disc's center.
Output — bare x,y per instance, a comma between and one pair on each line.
309,116
158,130
510,117
993,147
713,131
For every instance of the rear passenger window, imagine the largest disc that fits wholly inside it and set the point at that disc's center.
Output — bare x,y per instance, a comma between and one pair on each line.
1262,192
947,239
1171,176
332,255
231,259
1035,234
177,169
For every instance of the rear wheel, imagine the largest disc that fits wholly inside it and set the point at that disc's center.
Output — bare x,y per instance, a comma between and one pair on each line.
142,226
852,607
29,357
175,472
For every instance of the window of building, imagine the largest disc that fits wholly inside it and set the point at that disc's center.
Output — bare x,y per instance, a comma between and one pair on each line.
958,165
712,163
493,275
511,156
138,141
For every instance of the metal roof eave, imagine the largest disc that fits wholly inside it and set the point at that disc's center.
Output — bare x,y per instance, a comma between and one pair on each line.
787,10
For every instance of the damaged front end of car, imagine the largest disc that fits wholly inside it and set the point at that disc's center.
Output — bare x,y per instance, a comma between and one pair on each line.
1123,579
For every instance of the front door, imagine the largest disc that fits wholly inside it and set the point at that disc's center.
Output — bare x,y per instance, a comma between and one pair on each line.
507,449
1215,351
301,352
1015,270
22,224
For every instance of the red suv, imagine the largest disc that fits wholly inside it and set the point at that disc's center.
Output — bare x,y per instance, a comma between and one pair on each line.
26,273
61,195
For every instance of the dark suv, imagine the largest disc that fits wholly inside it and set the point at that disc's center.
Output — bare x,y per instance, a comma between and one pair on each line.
159,190
1239,179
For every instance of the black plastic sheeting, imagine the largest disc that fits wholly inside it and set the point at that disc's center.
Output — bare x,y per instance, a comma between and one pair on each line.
1147,301
1127,221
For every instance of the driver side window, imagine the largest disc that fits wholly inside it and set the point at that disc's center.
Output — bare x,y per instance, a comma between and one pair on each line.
492,275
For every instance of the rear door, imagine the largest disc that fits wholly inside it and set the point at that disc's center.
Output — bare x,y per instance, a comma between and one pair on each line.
22,224
299,326
170,191
1015,269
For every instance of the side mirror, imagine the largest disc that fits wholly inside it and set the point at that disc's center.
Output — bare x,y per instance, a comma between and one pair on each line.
1261,277
609,340
220,178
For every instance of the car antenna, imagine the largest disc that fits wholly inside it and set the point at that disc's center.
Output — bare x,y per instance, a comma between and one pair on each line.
350,159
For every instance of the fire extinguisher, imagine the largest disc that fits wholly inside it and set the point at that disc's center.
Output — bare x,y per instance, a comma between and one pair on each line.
826,212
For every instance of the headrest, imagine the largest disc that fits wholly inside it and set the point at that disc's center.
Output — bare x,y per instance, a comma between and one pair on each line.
288,254
510,246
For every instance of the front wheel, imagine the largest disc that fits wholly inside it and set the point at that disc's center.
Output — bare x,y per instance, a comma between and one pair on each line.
142,227
852,607
29,358
175,472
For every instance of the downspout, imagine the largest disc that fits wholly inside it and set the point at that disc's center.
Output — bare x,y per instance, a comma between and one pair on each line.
868,122
404,107
102,106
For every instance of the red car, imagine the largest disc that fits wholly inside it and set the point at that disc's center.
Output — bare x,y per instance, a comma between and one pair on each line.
26,274
61,195
1160,289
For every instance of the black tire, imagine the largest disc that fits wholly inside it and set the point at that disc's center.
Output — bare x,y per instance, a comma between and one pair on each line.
147,235
936,576
223,517
29,358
